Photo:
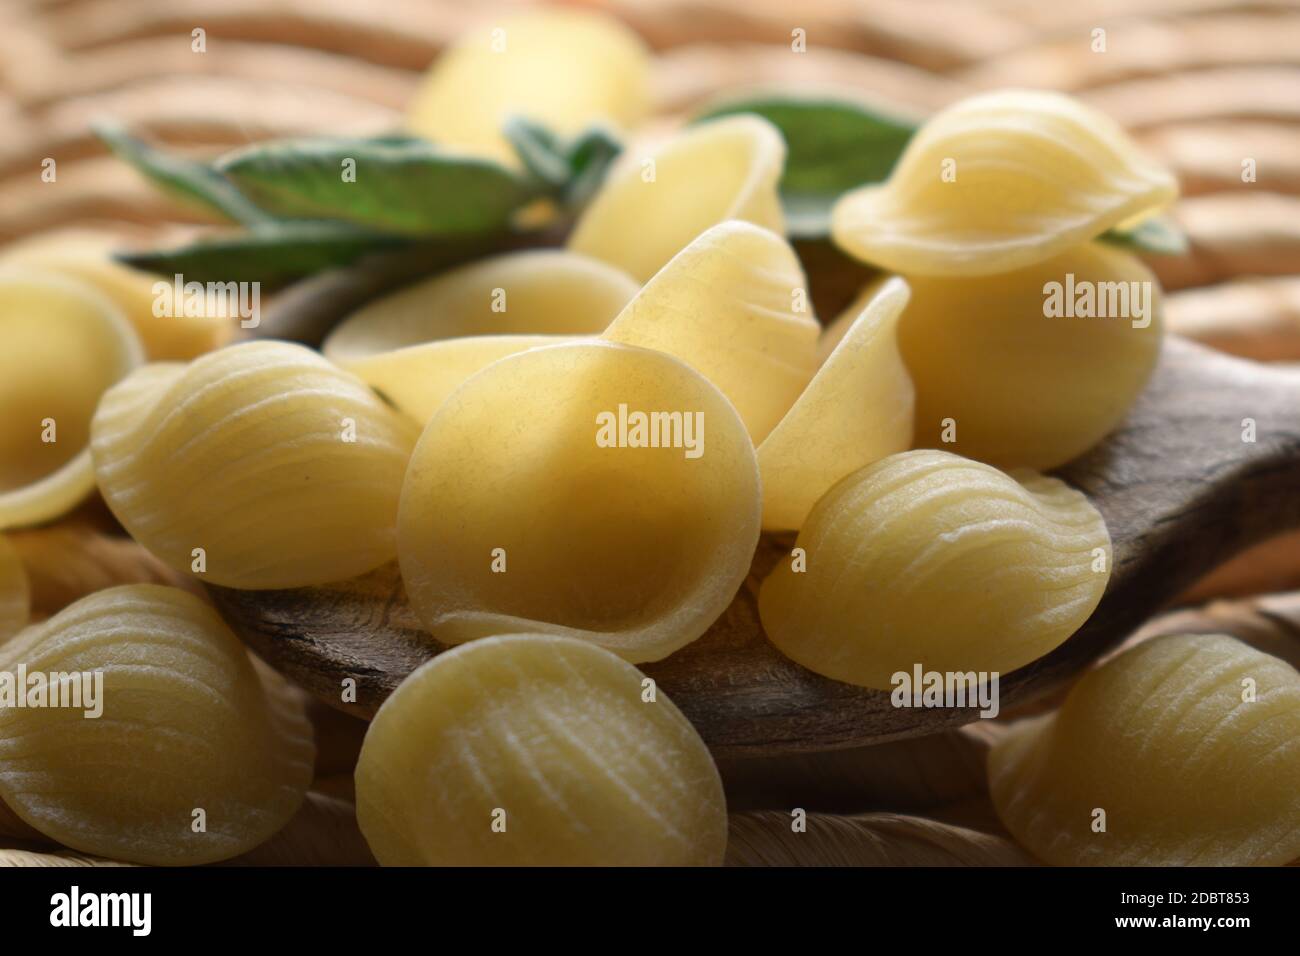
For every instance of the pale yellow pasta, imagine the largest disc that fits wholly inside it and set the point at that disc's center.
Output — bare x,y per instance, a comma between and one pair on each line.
926,558
1182,751
15,591
543,497
260,465
64,344
999,379
169,328
532,749
566,69
856,410
1000,181
190,759
416,345
652,205
734,305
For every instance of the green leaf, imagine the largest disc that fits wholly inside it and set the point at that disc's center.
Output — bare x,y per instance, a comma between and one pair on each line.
188,179
401,186
591,154
833,145
273,254
540,150
1157,235
570,170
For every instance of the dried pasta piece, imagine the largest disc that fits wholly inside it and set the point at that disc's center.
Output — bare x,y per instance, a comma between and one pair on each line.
734,305
1000,181
564,68
15,591
185,725
87,257
284,470
1000,379
544,496
651,206
856,410
415,346
533,749
926,558
1182,751
64,345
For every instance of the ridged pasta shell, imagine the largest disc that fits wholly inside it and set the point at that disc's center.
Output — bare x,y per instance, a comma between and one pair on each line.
926,558
532,749
856,410
998,380
1188,744
528,507
15,591
186,725
64,346
734,305
86,256
415,346
245,454
998,182
564,68
652,205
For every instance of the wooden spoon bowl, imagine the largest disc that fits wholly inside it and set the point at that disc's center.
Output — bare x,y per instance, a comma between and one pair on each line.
1179,485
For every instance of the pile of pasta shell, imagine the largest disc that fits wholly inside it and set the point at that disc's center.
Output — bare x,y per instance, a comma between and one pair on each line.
576,482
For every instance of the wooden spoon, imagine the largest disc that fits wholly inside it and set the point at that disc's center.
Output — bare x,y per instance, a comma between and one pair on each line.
1180,488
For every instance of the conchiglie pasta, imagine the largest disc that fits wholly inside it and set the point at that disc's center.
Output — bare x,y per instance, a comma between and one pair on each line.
87,257
997,182
651,206
64,345
928,558
1003,376
856,410
734,305
15,591
543,496
564,68
258,466
417,345
1186,748
529,749
186,731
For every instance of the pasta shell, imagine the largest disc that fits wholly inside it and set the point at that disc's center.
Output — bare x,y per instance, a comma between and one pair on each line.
15,591
999,379
1182,751
857,410
929,559
532,749
415,346
566,69
185,726
535,501
87,257
64,346
734,305
283,469
651,206
998,182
